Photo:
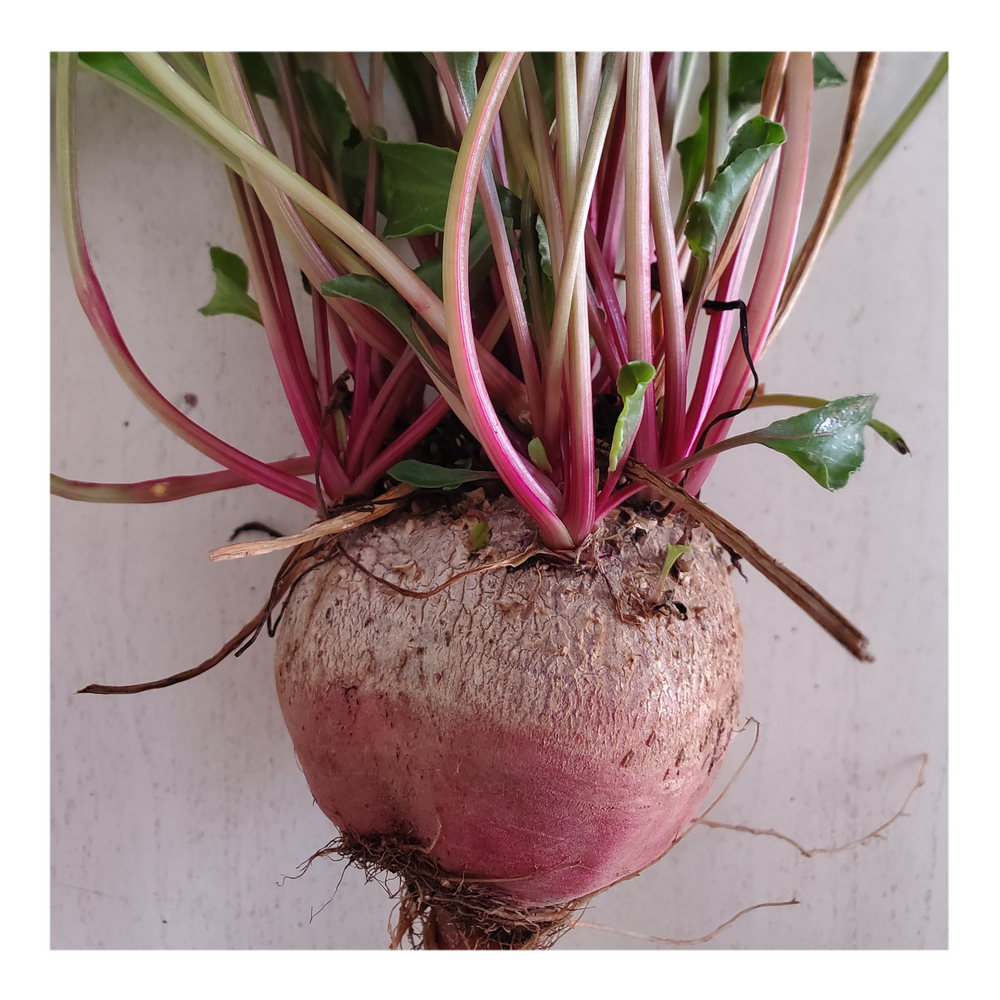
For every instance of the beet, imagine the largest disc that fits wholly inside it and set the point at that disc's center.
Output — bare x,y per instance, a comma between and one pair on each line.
523,738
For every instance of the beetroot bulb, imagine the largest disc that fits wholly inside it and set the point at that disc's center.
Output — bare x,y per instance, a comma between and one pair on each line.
523,738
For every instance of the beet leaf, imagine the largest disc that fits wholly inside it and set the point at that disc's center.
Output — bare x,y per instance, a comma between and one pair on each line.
232,282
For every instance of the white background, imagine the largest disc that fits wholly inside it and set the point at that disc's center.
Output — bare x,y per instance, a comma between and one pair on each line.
176,813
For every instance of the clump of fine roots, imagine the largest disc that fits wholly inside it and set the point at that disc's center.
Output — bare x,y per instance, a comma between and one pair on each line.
438,909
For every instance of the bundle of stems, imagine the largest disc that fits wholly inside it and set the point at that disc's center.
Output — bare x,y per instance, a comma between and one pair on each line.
523,265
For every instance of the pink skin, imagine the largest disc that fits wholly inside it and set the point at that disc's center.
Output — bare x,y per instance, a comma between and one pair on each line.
547,825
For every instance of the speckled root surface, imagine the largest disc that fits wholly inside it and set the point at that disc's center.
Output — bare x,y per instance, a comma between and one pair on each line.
524,737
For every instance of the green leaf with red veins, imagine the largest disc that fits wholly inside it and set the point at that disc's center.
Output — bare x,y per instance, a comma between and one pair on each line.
232,281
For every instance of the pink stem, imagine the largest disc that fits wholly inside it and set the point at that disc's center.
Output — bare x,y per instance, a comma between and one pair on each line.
778,247
355,93
505,264
98,312
343,338
283,335
609,503
399,448
609,178
720,325
321,340
604,289
519,476
168,488
362,430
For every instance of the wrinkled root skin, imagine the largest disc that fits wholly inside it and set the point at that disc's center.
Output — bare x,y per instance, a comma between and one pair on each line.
542,732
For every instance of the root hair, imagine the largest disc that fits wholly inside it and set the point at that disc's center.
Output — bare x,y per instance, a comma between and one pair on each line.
435,907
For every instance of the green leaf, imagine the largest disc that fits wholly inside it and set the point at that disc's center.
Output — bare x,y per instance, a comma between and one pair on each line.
259,74
746,80
884,431
632,381
510,205
693,151
354,175
749,149
417,82
333,121
545,71
825,73
544,255
673,553
232,279
374,293
545,262
413,189
827,442
435,477
538,455
429,272
479,536
463,67
481,261
388,302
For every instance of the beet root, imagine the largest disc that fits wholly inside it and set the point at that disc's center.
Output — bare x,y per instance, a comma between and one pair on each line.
524,737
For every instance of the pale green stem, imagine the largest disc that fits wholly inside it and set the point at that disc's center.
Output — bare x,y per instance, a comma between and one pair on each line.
671,106
195,73
718,112
575,247
567,125
638,295
671,298
750,437
517,139
588,88
547,191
